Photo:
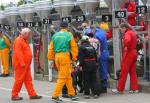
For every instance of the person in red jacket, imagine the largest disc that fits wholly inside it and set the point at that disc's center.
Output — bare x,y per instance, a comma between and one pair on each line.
129,57
131,8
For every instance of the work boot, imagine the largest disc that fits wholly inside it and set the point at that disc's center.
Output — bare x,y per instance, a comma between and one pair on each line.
36,97
16,98
65,96
56,99
134,91
104,90
116,91
74,98
87,97
6,75
95,96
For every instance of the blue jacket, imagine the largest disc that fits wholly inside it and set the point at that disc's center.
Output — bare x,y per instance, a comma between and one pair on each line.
100,35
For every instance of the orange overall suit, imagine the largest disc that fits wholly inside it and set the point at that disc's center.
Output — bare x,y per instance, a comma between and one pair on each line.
22,58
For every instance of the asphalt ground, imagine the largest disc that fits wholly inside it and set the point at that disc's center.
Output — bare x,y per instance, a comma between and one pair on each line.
45,89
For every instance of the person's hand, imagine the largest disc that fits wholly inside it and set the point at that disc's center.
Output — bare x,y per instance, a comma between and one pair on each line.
51,62
74,63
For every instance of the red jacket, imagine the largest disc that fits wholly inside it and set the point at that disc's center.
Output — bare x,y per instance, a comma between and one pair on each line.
109,34
131,8
129,40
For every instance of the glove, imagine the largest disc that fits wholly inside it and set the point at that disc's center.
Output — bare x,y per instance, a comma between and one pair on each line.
51,62
74,63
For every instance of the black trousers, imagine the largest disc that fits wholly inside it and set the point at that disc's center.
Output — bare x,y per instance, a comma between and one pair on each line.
90,83
90,78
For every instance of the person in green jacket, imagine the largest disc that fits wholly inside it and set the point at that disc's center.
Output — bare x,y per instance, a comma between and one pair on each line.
5,46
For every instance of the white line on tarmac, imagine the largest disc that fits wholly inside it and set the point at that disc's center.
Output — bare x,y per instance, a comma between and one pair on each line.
46,96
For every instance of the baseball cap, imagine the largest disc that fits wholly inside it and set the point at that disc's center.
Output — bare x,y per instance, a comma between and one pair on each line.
64,24
88,31
85,38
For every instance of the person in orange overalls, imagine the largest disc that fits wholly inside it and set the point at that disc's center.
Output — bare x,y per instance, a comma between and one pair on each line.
22,58
129,58
131,7
5,46
63,50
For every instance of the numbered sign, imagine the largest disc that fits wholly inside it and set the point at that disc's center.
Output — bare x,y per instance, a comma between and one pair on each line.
47,21
29,24
20,24
54,17
37,24
120,14
107,18
1,26
7,27
141,9
80,18
66,19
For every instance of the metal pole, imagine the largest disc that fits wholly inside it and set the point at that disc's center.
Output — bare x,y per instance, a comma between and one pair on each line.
49,68
45,46
116,41
148,3
145,68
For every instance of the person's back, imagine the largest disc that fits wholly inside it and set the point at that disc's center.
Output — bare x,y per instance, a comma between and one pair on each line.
88,51
100,35
61,42
88,61
130,40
